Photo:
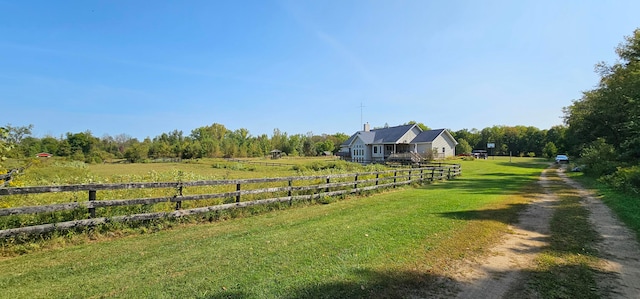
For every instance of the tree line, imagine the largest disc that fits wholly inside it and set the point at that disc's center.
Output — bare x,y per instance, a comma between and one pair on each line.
216,141
604,124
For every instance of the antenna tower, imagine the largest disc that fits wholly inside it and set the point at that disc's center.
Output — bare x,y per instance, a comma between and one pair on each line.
361,108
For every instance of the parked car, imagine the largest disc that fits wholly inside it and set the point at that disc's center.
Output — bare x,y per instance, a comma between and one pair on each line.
562,159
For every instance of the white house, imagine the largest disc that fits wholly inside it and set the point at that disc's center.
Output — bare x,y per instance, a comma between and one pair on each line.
408,141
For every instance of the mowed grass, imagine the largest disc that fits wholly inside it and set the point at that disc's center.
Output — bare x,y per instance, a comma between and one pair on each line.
394,244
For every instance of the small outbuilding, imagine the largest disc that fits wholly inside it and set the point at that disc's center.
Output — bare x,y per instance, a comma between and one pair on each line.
276,154
44,155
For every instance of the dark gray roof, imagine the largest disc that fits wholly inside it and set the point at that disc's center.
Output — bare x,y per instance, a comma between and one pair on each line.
393,134
382,135
427,136
390,134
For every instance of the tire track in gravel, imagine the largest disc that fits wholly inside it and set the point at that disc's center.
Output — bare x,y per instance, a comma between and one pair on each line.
619,249
502,269
500,274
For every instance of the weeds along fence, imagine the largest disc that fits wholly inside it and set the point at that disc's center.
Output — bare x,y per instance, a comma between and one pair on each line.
76,206
259,163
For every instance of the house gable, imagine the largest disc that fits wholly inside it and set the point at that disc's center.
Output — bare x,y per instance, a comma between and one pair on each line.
377,144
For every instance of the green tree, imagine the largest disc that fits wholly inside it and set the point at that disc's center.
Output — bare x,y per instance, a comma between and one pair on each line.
137,152
611,111
5,145
16,134
420,125
463,147
549,150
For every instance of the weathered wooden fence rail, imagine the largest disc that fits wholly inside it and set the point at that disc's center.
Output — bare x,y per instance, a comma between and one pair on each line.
258,162
342,184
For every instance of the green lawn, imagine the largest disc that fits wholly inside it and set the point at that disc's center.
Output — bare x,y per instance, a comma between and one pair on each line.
386,245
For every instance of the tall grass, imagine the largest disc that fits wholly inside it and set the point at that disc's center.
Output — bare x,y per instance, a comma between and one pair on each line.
59,172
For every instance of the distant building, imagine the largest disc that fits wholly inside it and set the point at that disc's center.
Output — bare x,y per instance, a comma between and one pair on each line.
406,142
44,155
276,154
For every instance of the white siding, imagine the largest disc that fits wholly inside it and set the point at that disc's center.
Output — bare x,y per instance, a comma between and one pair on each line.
360,152
377,152
424,148
447,144
410,135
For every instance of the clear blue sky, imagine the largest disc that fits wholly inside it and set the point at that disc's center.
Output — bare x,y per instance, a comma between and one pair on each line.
146,67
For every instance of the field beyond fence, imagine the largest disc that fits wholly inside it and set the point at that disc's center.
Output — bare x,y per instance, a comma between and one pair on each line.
128,202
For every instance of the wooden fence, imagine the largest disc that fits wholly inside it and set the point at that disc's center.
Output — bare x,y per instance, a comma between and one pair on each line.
258,162
6,178
295,188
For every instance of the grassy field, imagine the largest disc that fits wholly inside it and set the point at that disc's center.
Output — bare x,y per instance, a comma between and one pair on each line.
394,244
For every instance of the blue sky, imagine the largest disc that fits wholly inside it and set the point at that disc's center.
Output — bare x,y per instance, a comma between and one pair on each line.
146,67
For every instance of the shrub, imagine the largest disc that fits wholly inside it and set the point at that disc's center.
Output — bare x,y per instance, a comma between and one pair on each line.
599,158
625,179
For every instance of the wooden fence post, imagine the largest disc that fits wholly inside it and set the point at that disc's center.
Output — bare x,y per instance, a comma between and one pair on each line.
355,186
92,197
328,181
289,193
395,178
449,174
433,174
421,175
377,176
238,189
179,202
409,177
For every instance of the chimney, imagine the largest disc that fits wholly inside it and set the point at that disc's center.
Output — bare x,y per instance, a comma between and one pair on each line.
367,128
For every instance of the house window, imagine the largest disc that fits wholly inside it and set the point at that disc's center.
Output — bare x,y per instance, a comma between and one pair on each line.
375,149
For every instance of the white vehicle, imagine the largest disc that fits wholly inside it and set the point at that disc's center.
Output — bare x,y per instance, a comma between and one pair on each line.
562,159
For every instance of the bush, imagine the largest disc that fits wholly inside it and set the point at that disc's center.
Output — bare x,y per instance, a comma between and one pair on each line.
625,179
599,159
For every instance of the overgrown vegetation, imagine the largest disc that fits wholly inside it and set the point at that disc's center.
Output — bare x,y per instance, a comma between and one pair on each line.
603,125
60,172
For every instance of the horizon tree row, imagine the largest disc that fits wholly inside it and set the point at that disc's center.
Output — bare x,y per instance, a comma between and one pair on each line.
216,141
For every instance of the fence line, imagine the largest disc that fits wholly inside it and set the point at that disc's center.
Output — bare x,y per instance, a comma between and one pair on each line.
259,162
318,190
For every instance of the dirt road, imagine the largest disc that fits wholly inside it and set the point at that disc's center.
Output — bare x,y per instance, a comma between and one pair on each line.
500,274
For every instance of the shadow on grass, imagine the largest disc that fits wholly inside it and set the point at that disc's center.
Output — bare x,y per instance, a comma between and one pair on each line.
496,183
508,215
374,284
563,281
527,164
367,284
